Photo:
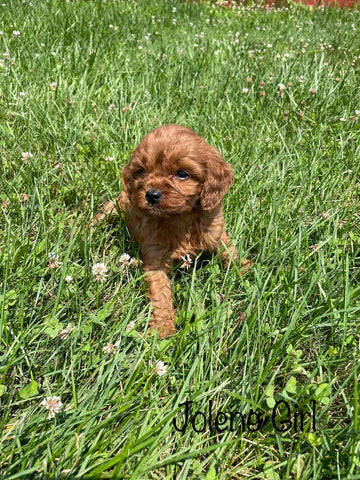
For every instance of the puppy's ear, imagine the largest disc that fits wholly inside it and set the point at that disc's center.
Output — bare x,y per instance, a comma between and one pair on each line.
218,179
126,178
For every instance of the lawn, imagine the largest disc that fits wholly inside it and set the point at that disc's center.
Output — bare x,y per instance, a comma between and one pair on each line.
270,358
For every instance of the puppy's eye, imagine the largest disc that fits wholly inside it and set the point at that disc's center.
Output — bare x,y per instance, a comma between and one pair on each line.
140,172
181,175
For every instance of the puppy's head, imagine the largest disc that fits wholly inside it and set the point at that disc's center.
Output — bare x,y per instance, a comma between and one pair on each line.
174,171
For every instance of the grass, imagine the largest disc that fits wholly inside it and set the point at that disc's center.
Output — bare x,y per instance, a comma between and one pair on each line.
287,330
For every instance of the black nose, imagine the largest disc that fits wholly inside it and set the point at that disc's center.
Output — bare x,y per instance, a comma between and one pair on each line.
153,196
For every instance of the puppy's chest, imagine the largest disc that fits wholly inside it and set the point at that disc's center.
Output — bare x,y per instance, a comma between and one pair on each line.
188,238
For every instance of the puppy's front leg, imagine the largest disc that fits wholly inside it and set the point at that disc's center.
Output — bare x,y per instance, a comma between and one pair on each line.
156,265
230,251
109,210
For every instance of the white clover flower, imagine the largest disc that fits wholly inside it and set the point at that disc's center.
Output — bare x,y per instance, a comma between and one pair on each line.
112,107
53,261
26,156
134,263
109,159
99,271
130,326
22,94
63,334
125,259
110,348
160,368
68,279
187,262
16,33
53,404
245,90
281,87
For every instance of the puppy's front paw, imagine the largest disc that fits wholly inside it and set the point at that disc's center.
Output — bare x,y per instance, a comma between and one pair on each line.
246,264
163,324
229,253
109,211
95,221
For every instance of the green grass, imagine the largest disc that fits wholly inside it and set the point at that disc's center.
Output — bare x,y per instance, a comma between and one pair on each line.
288,329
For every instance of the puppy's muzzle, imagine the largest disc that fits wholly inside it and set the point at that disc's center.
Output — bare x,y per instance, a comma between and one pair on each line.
153,196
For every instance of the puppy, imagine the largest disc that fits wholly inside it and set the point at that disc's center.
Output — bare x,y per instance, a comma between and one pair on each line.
171,203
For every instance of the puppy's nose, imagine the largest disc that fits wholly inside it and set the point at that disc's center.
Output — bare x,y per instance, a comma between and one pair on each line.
153,196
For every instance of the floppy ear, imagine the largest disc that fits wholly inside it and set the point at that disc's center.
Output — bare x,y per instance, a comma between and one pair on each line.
218,179
126,178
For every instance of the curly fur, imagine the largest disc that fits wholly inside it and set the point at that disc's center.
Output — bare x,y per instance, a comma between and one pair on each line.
187,219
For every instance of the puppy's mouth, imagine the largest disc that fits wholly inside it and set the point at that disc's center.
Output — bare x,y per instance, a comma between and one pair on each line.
156,203
163,211
157,210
